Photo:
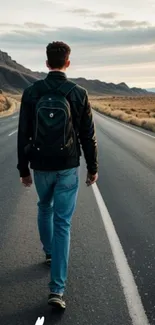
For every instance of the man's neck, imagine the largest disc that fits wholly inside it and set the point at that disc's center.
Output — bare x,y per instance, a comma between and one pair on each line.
57,70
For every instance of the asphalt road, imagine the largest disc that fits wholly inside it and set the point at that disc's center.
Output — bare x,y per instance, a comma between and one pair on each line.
94,292
127,184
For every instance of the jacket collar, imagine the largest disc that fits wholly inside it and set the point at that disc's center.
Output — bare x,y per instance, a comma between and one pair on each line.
56,75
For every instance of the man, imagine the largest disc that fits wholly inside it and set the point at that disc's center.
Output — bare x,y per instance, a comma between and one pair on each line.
55,121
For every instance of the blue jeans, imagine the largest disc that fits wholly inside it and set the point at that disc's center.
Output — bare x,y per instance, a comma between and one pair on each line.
57,193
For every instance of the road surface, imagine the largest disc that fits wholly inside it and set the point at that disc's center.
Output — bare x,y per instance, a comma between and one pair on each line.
94,291
127,184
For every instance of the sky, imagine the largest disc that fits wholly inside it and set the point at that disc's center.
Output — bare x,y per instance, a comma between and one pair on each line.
113,40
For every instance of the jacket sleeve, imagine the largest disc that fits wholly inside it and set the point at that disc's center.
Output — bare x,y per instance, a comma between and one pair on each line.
88,137
23,134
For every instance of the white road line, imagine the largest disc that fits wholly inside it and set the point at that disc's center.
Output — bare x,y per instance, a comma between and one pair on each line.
134,303
126,126
9,135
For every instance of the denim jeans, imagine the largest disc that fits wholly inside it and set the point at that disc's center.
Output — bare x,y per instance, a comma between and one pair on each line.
57,193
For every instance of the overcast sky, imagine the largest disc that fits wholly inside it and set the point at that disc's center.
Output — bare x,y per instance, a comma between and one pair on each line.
112,40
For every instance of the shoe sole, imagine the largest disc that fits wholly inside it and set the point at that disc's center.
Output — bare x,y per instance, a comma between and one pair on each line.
48,261
56,303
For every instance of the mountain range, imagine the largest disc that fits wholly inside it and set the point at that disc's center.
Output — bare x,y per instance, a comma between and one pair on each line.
151,90
14,78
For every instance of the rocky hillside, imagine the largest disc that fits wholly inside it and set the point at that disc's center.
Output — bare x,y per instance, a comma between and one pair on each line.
97,87
15,77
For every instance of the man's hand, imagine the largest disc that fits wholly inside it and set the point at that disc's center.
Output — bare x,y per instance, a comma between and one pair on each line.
26,181
91,179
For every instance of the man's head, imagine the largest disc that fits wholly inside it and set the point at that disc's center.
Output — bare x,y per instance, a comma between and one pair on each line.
58,56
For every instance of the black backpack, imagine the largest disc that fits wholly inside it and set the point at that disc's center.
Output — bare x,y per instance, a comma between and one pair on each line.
54,132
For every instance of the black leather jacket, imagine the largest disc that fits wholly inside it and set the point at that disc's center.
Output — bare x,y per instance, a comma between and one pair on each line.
82,120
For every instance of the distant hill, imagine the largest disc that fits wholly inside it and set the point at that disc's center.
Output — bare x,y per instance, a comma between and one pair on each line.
15,78
97,87
151,90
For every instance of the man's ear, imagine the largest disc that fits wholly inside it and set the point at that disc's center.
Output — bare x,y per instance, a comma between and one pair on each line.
68,63
47,64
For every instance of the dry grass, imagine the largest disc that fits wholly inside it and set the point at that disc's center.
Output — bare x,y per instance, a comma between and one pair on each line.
16,97
4,103
139,111
8,105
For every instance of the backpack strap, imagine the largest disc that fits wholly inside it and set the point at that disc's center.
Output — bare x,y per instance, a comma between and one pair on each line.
65,88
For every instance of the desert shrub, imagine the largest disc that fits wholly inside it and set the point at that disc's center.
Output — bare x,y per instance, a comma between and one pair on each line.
4,103
128,111
118,114
149,124
143,115
140,112
107,111
135,121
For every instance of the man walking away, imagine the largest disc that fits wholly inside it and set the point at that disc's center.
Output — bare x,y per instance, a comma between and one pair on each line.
55,121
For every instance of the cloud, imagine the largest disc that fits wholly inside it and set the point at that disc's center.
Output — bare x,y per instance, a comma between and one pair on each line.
35,25
132,23
120,39
128,24
22,27
80,11
104,25
82,37
113,57
94,49
108,15
84,11
8,25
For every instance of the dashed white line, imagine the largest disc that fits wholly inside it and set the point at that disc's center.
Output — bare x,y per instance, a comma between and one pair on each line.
15,131
126,126
133,300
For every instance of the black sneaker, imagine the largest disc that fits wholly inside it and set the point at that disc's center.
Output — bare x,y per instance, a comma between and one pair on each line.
56,301
48,259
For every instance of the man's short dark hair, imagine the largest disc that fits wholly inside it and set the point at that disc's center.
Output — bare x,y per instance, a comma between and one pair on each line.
57,54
